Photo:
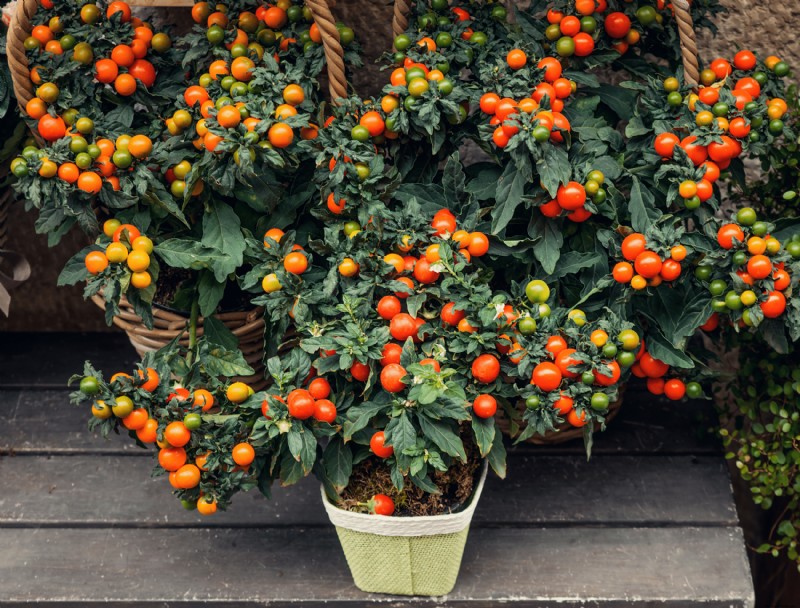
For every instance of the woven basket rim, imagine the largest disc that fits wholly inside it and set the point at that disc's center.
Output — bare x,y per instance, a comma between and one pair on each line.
420,525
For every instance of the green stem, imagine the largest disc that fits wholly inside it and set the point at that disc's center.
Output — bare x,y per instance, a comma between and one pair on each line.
195,312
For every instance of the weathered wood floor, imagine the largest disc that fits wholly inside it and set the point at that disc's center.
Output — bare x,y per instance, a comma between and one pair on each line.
649,522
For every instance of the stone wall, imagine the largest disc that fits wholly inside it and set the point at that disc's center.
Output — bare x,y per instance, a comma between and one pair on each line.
766,26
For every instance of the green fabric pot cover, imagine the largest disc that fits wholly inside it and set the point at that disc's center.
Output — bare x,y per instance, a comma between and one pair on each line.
404,555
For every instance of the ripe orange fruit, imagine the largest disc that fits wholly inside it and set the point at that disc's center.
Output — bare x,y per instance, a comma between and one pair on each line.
90,182
243,454
242,67
295,262
36,108
177,435
229,117
280,135
516,59
274,17
69,172
96,262
125,85
119,7
293,94
140,146
123,55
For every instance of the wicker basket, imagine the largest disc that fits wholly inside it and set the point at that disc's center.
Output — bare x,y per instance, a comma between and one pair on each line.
564,432
248,326
404,555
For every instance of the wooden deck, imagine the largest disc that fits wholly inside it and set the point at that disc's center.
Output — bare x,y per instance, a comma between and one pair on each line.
649,522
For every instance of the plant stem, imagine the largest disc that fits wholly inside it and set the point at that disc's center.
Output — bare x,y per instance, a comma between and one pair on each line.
193,328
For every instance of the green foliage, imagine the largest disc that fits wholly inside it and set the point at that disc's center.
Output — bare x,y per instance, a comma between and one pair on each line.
760,426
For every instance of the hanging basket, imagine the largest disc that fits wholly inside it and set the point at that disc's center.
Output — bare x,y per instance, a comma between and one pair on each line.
404,555
247,326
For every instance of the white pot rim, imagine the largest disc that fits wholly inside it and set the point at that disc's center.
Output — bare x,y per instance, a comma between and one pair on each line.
423,525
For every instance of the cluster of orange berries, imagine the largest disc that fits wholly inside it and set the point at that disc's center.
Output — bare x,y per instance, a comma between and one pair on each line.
176,436
733,125
230,115
229,112
416,77
571,198
172,438
126,66
572,34
564,364
135,253
305,403
643,267
752,256
655,372
295,262
93,163
544,124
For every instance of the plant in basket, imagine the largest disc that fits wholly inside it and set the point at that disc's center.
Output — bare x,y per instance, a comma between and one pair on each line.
590,33
233,151
86,67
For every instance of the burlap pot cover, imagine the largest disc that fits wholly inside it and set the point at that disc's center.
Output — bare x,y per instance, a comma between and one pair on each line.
404,555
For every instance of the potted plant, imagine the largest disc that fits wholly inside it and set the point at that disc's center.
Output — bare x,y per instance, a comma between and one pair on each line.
411,302
196,200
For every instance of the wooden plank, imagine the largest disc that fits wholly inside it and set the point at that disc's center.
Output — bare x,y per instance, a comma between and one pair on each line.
569,567
105,491
44,422
47,360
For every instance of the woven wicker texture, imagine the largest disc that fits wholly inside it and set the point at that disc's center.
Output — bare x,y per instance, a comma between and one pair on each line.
404,565
564,432
405,555
22,24
248,326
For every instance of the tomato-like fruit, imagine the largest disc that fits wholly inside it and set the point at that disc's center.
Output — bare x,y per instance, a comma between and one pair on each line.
547,376
484,406
486,368
377,444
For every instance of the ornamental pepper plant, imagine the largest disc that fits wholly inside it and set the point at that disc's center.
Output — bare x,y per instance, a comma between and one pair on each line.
212,149
533,212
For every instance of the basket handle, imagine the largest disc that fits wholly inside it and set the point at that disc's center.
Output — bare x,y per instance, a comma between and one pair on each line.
686,34
334,53
21,27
